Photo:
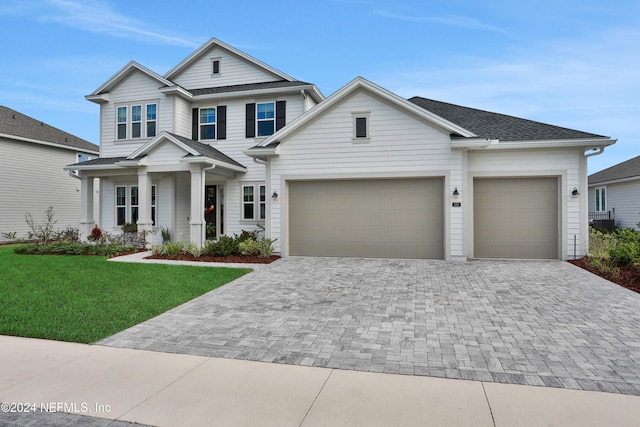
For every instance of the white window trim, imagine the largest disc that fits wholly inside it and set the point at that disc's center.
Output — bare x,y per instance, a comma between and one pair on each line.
361,115
200,124
213,60
601,200
128,205
129,120
265,120
256,201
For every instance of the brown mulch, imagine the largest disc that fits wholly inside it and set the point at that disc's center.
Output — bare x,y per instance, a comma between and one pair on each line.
629,276
240,259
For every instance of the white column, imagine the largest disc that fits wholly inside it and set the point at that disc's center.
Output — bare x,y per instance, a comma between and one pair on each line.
196,219
145,224
86,207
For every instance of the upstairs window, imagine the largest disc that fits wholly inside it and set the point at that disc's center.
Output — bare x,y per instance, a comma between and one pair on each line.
360,127
265,118
136,121
122,122
215,66
151,120
207,123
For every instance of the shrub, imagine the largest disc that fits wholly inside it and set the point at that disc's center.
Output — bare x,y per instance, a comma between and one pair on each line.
10,235
265,247
42,232
249,247
96,233
625,253
173,248
224,246
246,235
61,248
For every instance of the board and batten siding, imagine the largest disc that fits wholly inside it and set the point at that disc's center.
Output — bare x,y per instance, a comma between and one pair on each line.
32,180
400,145
233,71
569,165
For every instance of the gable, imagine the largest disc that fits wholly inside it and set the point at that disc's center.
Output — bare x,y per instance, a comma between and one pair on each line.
234,69
136,86
165,153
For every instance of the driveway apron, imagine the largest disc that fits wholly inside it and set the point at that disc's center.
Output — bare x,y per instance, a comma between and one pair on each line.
545,323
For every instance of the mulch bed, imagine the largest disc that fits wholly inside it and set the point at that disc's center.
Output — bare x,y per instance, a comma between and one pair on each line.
629,276
240,259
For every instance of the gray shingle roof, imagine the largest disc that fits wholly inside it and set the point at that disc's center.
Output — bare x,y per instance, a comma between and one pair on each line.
21,125
628,169
498,126
246,87
207,150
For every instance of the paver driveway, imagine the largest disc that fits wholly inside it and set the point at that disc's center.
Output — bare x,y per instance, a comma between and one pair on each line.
534,322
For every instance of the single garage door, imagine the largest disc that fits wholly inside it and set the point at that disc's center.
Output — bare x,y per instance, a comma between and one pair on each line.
515,218
390,218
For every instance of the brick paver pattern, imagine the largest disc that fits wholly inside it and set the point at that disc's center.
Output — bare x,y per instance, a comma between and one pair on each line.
545,323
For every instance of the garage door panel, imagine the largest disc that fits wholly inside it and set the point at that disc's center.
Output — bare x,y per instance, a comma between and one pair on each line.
516,217
400,218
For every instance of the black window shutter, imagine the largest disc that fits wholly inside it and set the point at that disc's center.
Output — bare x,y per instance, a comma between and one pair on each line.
250,128
194,124
222,122
281,114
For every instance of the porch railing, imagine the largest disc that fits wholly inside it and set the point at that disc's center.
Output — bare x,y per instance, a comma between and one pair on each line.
605,220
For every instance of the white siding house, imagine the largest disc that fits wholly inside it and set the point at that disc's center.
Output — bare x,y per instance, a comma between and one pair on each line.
614,195
224,143
32,157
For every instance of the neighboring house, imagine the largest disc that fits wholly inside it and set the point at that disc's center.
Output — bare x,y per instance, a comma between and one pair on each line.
223,142
32,157
614,195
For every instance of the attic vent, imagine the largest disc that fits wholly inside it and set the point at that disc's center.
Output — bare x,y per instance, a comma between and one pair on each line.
13,117
41,124
66,139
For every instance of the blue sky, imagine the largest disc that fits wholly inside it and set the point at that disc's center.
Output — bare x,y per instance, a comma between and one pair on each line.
571,63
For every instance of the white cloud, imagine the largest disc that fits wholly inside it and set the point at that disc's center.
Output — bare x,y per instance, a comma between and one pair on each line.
99,17
448,20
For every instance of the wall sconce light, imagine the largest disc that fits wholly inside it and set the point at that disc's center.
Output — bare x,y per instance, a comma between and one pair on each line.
575,192
274,195
456,192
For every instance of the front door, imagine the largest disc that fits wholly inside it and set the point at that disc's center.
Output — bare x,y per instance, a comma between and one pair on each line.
210,211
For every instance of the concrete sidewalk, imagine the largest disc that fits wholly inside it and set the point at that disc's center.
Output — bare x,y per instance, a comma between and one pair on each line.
163,389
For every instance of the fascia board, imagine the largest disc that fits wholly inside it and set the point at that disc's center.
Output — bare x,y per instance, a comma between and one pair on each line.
614,181
49,144
124,72
253,93
550,143
155,141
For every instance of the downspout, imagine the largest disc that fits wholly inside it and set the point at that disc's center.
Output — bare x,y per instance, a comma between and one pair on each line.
74,175
597,151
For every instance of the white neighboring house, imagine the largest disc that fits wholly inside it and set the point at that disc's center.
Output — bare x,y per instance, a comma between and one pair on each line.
614,195
223,142
32,157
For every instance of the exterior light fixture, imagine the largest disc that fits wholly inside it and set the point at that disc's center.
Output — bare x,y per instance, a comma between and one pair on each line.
456,192
274,195
575,192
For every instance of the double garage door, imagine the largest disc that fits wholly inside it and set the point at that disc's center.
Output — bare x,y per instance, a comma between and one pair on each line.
388,218
404,218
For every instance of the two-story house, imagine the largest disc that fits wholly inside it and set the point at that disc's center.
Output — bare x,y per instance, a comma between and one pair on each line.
172,147
223,142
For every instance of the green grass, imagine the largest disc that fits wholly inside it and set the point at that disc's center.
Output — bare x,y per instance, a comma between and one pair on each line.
86,298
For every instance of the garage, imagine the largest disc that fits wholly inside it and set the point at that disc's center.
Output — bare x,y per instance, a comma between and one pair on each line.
516,218
373,218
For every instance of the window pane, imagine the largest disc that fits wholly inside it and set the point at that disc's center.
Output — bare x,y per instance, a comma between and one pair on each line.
121,196
135,129
136,113
361,127
151,129
597,200
151,111
134,195
266,111
134,214
122,131
208,132
207,115
263,193
248,211
121,215
248,194
266,128
122,114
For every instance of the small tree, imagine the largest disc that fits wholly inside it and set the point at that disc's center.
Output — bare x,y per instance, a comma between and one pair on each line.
42,232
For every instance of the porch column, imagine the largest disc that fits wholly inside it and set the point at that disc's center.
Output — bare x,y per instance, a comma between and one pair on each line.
196,219
86,207
145,224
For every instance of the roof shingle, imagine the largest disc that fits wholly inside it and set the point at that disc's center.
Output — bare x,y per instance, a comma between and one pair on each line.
627,169
21,125
498,126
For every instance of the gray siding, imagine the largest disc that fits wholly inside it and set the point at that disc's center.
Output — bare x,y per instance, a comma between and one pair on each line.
624,197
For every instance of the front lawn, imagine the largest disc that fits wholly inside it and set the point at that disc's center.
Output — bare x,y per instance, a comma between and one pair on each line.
86,298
